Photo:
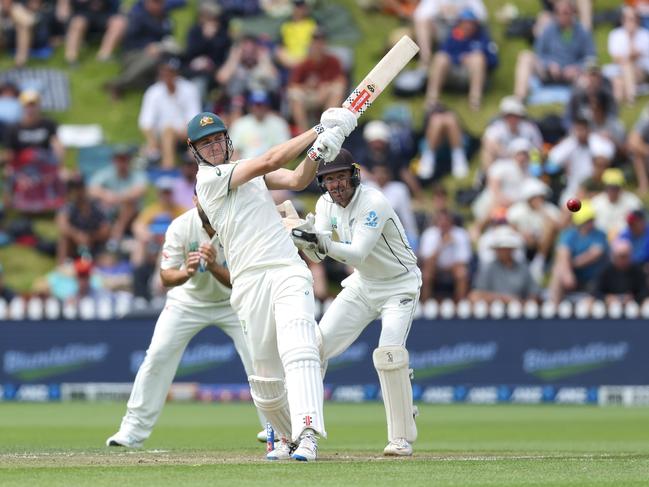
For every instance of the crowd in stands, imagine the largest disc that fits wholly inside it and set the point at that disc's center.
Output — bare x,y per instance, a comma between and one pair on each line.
507,236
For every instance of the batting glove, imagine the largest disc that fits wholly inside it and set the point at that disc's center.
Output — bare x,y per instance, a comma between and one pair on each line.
339,117
328,143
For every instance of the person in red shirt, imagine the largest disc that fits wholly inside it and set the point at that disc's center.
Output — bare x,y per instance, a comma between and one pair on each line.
316,83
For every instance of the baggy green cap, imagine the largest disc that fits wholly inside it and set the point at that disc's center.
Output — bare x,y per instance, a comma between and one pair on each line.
204,124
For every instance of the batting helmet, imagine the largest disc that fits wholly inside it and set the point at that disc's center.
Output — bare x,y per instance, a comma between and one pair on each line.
343,161
203,125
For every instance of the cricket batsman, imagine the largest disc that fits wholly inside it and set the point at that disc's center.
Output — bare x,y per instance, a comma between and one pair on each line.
272,288
198,297
385,282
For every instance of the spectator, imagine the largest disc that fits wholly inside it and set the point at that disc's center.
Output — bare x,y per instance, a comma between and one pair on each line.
584,11
628,46
467,53
296,34
445,252
10,107
639,149
511,124
35,156
378,150
6,292
184,185
504,279
443,126
602,152
590,90
16,31
83,228
83,16
119,189
637,234
167,107
491,229
433,20
316,83
560,52
614,204
537,221
622,280
207,47
580,256
259,130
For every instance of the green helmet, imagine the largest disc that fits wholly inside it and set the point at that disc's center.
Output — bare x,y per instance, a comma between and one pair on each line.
204,124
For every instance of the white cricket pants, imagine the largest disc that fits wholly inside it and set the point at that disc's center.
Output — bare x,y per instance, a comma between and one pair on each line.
176,326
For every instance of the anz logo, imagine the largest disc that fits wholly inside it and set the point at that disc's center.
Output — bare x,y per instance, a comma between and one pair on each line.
372,219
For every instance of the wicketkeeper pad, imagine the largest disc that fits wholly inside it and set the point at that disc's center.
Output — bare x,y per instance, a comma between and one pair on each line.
270,398
391,363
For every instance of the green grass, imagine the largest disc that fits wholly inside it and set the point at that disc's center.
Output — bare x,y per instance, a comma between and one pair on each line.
205,444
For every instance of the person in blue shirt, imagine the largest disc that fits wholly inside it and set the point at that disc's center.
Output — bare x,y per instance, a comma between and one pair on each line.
637,233
580,256
468,51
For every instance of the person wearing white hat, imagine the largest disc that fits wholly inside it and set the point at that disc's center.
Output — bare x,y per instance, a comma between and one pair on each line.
614,203
511,124
505,278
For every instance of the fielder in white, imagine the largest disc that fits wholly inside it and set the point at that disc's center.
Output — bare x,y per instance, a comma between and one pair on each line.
272,288
196,299
385,282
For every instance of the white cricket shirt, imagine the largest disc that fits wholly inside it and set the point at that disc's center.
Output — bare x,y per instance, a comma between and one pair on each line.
246,220
370,235
202,288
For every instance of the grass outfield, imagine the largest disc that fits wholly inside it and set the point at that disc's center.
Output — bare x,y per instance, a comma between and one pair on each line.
206,444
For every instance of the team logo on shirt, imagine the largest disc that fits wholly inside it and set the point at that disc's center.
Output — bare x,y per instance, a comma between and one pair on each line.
206,120
372,219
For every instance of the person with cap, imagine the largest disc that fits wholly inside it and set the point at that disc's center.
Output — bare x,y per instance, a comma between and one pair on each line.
560,52
167,106
272,288
467,54
622,280
119,188
296,34
385,283
511,124
504,279
614,203
315,83
193,267
638,144
580,255
637,234
538,221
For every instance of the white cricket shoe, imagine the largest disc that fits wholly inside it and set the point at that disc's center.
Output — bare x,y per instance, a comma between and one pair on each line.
307,450
282,451
126,441
398,448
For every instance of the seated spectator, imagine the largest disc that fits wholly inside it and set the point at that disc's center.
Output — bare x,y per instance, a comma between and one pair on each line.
295,35
119,189
316,83
82,226
443,127
445,253
560,52
434,19
637,234
249,67
35,159
379,151
259,130
591,89
628,46
184,185
639,149
584,11
538,221
511,124
504,179
602,151
207,46
6,292
491,229
10,107
167,107
614,203
467,52
82,17
580,256
16,29
622,280
504,279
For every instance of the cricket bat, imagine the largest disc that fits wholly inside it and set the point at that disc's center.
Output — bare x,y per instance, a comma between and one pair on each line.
361,98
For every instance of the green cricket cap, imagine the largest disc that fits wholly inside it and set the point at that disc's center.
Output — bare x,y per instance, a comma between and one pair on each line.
204,124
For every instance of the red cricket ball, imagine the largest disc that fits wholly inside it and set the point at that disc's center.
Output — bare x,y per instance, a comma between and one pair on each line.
573,204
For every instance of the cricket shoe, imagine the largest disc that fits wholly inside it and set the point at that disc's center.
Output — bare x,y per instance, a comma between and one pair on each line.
307,450
126,441
282,451
398,448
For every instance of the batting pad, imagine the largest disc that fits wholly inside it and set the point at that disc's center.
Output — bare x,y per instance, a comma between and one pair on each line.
270,398
391,364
